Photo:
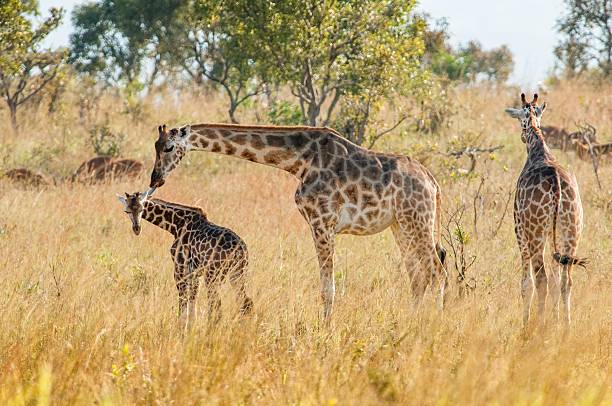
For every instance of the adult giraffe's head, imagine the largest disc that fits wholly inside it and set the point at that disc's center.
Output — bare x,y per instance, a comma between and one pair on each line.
170,148
133,205
524,114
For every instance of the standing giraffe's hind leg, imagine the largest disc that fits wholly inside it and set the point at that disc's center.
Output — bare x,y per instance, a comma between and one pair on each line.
526,287
566,291
324,244
214,302
541,283
238,283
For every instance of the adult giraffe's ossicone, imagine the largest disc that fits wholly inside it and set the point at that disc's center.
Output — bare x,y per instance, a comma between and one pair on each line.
344,189
547,206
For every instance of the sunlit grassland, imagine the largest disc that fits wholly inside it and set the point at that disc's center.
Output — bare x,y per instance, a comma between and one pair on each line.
88,311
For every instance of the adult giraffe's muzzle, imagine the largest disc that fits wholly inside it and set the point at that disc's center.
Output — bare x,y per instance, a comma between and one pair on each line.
157,179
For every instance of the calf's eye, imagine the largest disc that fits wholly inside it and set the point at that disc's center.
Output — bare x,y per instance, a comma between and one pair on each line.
169,149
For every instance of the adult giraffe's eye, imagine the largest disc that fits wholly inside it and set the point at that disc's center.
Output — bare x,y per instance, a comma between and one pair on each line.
169,149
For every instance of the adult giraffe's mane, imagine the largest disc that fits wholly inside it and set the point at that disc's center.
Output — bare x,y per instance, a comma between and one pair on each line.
263,127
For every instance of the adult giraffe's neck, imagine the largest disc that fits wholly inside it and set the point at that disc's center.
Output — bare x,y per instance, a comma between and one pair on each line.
168,216
537,149
292,149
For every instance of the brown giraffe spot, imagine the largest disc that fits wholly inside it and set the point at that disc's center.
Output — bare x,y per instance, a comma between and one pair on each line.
372,172
276,157
248,155
310,212
295,167
229,148
378,189
216,147
352,171
204,144
368,200
371,215
537,194
225,133
239,138
275,140
352,193
257,142
298,140
209,133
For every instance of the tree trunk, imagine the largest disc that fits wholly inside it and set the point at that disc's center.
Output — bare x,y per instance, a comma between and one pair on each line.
232,112
13,113
313,113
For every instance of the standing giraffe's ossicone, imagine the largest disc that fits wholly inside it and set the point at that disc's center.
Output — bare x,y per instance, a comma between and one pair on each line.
200,248
344,189
547,206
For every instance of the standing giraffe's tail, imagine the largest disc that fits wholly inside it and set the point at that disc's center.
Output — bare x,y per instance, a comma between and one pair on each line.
562,259
439,249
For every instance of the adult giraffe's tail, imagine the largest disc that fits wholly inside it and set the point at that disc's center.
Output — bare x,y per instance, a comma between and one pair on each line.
439,249
562,259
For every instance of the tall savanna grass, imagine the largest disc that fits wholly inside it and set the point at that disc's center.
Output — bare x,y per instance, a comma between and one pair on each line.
88,311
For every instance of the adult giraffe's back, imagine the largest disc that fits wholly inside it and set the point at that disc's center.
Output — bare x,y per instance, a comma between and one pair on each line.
344,189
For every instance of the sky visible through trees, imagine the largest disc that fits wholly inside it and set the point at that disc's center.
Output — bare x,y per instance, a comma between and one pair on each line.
503,23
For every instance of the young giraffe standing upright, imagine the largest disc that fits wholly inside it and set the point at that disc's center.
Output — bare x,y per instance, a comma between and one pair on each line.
344,189
200,248
546,200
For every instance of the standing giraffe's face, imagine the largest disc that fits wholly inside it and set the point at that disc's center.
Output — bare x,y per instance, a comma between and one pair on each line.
170,148
133,205
523,115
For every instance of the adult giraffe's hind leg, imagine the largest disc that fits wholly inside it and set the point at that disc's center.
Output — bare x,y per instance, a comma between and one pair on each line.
569,248
418,281
324,244
541,281
421,258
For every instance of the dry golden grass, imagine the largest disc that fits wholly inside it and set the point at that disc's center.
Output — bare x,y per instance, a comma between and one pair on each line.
88,310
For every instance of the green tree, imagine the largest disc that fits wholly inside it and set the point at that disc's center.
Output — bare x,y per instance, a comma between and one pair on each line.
468,63
123,42
215,47
328,51
26,68
586,41
14,30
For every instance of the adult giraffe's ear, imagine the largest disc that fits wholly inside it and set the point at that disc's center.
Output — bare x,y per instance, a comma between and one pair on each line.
185,130
535,98
122,199
523,99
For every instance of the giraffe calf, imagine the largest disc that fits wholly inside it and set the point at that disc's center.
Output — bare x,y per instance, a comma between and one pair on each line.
200,248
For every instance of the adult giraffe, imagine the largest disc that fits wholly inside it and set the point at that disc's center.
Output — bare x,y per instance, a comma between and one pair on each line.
344,189
546,199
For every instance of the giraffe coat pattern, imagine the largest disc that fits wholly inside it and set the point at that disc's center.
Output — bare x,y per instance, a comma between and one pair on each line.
200,248
344,189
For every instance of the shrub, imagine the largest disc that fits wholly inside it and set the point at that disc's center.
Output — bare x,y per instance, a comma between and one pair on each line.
105,142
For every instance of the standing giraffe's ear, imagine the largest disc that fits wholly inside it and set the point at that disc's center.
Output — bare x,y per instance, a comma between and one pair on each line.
122,199
535,98
523,99
515,113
